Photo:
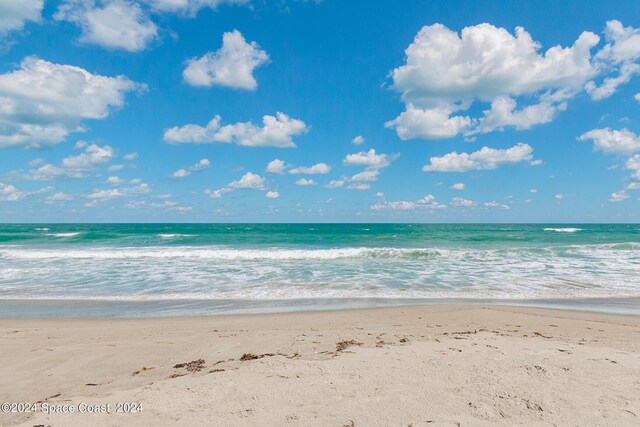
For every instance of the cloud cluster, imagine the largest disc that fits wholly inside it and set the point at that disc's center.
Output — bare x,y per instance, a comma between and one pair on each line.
318,168
249,181
445,73
78,166
625,142
42,102
124,24
15,14
484,159
372,162
232,65
113,24
275,131
185,172
429,203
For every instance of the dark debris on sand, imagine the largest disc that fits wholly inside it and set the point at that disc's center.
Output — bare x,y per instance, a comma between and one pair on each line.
193,366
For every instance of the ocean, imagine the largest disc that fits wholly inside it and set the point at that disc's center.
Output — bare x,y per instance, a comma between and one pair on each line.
159,269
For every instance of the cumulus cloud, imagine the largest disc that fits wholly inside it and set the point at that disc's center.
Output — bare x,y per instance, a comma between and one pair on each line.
445,73
305,182
458,186
275,166
358,140
460,202
335,183
15,14
318,168
275,131
637,97
618,196
133,188
248,181
189,7
358,186
113,24
428,203
75,166
42,102
272,194
613,141
369,159
131,156
9,193
619,55
232,65
94,155
198,167
484,159
633,164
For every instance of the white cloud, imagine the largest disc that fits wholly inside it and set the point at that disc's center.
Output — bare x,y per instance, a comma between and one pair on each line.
135,187
494,204
358,186
484,159
232,65
131,156
113,24
272,194
275,166
637,97
633,164
114,180
59,197
618,196
368,159
276,132
445,72
559,196
368,175
41,103
358,140
318,168
189,7
619,55
198,167
428,203
458,186
613,141
14,14
79,166
462,203
94,155
9,193
248,181
533,190
305,182
335,183
36,162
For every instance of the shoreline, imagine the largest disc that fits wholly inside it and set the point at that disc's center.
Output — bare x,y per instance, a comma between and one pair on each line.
470,364
177,308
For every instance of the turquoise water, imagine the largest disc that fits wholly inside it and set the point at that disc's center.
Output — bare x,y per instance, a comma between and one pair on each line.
279,263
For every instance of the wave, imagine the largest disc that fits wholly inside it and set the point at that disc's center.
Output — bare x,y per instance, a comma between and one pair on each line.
564,230
70,234
221,253
41,229
171,236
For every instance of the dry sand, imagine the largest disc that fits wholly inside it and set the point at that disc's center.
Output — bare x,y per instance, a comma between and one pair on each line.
414,366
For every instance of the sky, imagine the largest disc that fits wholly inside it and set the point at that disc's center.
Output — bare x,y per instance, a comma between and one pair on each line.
319,111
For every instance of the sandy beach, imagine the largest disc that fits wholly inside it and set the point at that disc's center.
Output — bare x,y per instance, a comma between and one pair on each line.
413,366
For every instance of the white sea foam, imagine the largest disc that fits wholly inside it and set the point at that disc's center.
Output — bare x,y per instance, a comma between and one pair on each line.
171,236
564,230
64,234
42,229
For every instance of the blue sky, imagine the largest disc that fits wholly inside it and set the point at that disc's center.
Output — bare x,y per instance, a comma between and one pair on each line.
173,110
